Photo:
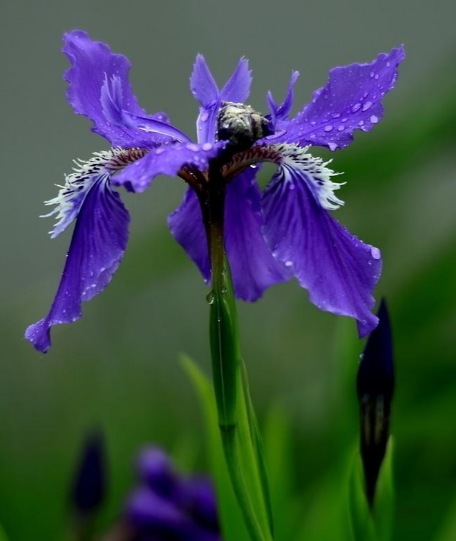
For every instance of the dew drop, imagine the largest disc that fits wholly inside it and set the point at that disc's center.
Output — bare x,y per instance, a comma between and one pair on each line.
336,115
361,123
374,119
375,253
356,107
367,105
328,128
332,146
192,146
204,116
341,128
372,74
288,263
210,297
207,146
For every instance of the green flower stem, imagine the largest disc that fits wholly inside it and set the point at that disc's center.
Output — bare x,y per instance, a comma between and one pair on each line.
237,422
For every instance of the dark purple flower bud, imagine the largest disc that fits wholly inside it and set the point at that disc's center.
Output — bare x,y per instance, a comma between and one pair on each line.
89,487
375,385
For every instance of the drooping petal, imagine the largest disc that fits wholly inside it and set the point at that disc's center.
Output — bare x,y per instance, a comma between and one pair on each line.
253,267
99,89
186,225
339,271
166,160
96,250
237,88
71,196
351,100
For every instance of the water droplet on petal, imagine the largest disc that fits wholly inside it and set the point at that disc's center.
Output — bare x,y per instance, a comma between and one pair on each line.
332,146
328,128
367,105
207,146
372,74
375,253
341,128
204,116
361,123
288,263
374,119
356,107
192,146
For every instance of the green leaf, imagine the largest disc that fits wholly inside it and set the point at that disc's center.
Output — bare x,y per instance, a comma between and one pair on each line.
374,524
236,418
232,522
2,534
383,512
360,518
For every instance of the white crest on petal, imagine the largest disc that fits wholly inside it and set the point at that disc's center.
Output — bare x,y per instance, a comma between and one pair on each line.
316,173
293,162
78,183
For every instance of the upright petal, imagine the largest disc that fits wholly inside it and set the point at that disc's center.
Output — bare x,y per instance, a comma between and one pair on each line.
253,266
202,83
281,112
166,160
351,100
339,271
99,89
186,226
96,250
206,91
237,88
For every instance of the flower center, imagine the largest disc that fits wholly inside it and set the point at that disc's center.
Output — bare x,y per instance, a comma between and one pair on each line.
241,126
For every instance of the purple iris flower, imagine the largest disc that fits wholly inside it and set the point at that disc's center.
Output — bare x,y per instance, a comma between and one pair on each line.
166,505
286,231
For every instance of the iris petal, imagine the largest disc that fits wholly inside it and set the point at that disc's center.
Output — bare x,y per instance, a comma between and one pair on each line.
99,89
166,160
186,226
351,100
339,271
96,250
253,267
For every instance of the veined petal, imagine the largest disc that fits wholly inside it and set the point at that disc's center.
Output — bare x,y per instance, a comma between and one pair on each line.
97,247
339,271
99,89
77,185
205,90
167,160
237,88
351,100
292,159
186,226
202,83
253,266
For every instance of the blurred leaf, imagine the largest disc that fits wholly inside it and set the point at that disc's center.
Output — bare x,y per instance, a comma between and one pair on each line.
375,524
2,534
362,525
383,511
278,444
233,527
448,531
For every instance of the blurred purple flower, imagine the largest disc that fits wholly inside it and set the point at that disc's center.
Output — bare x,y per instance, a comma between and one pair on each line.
286,231
167,505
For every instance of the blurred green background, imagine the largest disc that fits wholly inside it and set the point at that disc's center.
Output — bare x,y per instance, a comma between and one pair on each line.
118,367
